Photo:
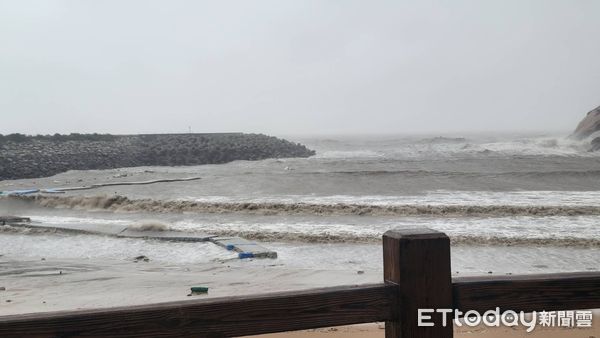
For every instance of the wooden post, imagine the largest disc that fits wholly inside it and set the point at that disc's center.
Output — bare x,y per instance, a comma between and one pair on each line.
418,261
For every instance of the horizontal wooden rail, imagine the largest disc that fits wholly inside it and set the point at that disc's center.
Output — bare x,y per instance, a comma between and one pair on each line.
416,275
560,291
217,317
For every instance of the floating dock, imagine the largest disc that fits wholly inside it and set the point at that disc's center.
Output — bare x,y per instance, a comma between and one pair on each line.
244,248
19,192
4,220
93,186
168,235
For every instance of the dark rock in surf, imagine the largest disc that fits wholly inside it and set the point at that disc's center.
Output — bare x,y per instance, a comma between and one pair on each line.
595,144
141,258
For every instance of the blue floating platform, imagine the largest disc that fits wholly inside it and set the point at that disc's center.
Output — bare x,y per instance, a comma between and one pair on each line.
244,247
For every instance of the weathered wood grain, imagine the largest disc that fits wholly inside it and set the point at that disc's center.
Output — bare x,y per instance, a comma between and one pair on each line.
562,291
222,317
418,262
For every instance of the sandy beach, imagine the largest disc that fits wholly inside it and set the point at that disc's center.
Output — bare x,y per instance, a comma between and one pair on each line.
377,331
54,285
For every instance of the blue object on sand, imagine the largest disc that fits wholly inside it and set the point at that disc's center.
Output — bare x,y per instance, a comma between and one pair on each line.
243,255
233,246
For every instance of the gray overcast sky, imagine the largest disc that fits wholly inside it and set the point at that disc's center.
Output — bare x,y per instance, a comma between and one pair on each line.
297,67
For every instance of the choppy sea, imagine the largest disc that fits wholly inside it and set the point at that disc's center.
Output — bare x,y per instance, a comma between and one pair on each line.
509,202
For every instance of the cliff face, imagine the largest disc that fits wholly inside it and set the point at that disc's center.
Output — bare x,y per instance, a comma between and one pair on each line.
39,156
595,144
589,125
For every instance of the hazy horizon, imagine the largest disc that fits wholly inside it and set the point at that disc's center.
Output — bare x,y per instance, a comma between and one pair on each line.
297,68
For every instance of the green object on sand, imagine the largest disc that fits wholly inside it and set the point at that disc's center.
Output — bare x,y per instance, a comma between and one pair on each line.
199,289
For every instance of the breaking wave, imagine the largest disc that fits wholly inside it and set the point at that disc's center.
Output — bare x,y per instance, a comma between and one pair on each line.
149,226
425,173
124,204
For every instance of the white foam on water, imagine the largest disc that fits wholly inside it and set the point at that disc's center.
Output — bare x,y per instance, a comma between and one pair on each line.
434,197
67,220
339,154
562,231
408,148
548,230
545,146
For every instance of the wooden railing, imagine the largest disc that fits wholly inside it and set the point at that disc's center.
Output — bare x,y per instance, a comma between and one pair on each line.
416,275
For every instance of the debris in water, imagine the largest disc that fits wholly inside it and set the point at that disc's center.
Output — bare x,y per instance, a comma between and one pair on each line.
4,220
198,290
141,258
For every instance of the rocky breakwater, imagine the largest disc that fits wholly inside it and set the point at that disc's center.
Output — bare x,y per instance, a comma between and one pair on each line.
589,126
24,156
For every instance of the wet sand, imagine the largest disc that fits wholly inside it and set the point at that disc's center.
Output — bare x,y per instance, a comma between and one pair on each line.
377,331
53,285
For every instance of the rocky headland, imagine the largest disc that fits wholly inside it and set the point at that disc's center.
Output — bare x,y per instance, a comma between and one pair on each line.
24,156
588,127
